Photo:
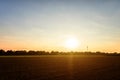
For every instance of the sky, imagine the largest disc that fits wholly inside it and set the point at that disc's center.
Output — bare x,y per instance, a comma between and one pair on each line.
47,24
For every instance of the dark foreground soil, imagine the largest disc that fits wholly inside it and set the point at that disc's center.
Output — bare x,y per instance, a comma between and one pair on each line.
60,68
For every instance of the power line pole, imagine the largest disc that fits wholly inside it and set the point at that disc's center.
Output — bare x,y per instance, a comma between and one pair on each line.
87,48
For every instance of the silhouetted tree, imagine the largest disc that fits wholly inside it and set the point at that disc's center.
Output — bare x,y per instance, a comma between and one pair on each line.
21,52
9,52
31,52
2,52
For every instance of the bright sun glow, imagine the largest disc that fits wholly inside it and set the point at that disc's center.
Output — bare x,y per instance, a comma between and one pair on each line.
71,43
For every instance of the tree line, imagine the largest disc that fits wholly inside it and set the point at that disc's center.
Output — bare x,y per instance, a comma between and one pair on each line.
32,52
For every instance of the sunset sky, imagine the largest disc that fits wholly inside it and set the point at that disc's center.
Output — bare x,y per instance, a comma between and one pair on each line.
48,24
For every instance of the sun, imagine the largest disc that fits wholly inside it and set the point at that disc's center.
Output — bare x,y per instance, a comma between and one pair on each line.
71,43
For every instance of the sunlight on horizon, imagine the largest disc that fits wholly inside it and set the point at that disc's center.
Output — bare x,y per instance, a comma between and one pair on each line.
72,43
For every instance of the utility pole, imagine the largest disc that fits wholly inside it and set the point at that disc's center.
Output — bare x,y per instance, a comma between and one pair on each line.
87,48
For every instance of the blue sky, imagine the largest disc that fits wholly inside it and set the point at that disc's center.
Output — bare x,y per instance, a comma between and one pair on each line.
46,24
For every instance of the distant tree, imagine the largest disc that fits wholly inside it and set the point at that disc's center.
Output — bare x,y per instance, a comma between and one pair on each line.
31,52
9,52
2,52
54,52
21,52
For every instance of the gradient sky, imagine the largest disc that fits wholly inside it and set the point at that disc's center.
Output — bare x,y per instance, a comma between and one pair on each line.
46,24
